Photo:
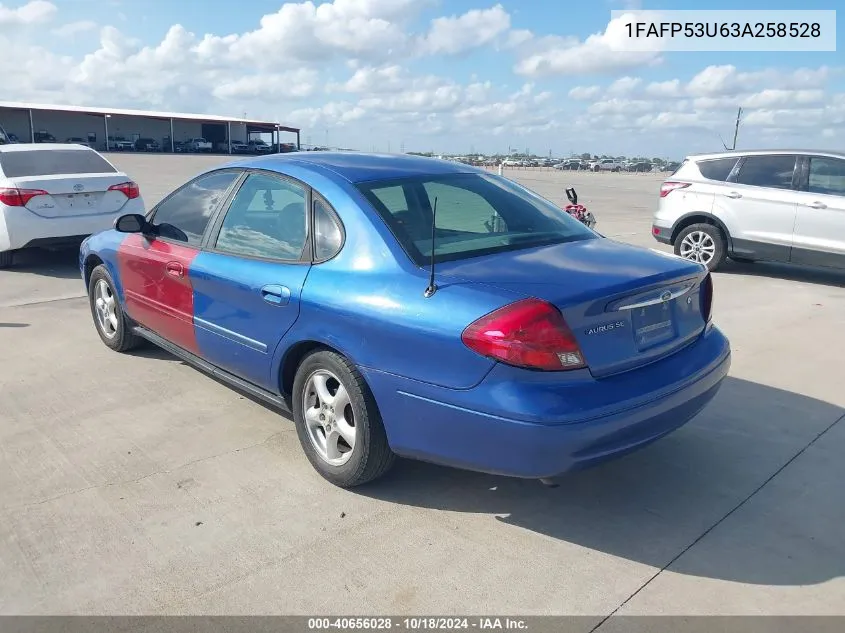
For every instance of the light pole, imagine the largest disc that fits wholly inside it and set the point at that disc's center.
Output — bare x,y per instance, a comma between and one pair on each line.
106,123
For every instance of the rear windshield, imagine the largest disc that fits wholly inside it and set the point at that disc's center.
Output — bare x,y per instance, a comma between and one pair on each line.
477,214
53,162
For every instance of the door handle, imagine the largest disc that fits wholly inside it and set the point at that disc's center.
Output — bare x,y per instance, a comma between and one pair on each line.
175,269
733,194
276,294
817,205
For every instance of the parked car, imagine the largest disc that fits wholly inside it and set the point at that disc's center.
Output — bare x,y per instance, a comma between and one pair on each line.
197,145
120,144
54,194
257,278
239,147
43,136
572,164
257,146
77,140
640,167
179,147
784,206
147,145
606,164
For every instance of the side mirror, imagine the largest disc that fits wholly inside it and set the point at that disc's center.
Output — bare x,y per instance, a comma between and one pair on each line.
573,197
130,223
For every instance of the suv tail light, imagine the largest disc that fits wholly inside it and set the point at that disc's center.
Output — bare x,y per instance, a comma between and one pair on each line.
707,298
530,333
14,197
129,189
668,187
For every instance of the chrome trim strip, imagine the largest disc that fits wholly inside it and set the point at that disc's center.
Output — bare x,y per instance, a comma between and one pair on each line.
258,346
661,298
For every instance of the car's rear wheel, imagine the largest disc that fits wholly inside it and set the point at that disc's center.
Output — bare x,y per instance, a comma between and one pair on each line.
702,243
109,319
337,420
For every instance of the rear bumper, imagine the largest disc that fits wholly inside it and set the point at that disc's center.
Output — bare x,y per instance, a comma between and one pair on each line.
537,424
20,228
662,234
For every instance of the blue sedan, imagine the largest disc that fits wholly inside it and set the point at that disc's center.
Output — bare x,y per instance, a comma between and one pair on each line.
398,305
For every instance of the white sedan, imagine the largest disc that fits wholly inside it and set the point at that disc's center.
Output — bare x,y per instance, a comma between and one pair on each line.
54,194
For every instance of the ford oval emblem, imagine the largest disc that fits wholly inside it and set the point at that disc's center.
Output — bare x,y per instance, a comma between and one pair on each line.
78,187
666,296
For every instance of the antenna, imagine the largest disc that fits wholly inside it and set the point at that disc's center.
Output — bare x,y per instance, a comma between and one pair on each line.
432,287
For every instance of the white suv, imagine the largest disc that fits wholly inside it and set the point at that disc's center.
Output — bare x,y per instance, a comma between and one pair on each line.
784,206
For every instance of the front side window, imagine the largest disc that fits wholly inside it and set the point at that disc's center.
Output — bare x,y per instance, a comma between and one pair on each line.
54,162
767,171
477,214
267,218
185,215
827,176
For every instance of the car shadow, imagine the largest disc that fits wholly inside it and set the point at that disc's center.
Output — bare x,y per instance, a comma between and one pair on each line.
14,325
789,272
59,263
650,506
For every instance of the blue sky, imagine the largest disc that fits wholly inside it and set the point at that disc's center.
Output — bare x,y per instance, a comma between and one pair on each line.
447,75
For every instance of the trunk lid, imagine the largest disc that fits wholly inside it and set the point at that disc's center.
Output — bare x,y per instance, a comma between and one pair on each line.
627,306
68,195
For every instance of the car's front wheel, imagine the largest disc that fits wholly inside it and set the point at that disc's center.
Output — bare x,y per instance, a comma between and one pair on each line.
109,318
337,421
702,243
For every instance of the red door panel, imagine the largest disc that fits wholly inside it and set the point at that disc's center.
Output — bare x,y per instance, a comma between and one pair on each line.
157,287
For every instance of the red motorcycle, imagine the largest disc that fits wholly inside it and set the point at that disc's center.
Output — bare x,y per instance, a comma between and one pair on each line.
578,211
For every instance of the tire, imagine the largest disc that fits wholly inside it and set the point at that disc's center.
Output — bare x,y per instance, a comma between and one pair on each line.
711,241
368,456
114,332
7,258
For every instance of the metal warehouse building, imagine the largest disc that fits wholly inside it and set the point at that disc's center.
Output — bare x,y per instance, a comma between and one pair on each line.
103,127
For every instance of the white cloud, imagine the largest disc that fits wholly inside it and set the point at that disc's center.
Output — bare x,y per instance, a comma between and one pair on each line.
30,13
664,89
624,86
598,53
75,28
585,93
455,34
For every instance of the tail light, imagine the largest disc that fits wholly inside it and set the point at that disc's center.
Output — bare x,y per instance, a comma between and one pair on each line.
668,187
707,298
529,333
129,189
14,197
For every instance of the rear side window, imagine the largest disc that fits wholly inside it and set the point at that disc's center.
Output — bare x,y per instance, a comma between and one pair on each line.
717,169
53,162
767,171
827,176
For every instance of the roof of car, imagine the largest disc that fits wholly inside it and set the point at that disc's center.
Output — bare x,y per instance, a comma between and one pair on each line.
763,152
358,166
31,147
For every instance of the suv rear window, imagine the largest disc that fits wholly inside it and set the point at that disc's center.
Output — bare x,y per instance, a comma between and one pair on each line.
767,171
53,162
477,214
717,168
